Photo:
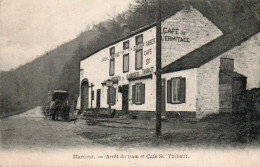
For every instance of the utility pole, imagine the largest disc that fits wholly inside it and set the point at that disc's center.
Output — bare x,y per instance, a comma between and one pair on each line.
158,69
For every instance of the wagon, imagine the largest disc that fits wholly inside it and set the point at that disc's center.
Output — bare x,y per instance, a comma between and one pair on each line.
58,107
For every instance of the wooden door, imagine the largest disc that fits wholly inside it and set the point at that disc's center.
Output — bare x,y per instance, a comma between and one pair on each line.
125,89
239,86
98,98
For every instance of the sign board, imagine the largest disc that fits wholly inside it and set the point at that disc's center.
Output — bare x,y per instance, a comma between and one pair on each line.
145,72
109,83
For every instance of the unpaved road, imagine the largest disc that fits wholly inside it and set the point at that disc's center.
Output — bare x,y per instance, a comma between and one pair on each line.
30,130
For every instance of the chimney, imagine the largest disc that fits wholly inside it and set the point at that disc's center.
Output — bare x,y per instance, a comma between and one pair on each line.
126,29
186,5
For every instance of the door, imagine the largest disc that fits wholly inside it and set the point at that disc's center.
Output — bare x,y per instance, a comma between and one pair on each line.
163,97
239,86
225,92
84,96
98,99
125,89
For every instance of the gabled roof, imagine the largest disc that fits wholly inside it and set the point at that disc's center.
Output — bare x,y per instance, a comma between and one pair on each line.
133,33
246,28
211,50
123,38
233,18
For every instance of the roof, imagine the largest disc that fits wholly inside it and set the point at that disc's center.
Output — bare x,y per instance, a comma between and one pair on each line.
231,17
247,27
123,38
210,51
234,74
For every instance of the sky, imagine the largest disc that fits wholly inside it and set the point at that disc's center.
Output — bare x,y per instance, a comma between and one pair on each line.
29,28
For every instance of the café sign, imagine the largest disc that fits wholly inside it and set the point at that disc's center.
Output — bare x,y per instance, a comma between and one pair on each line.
144,72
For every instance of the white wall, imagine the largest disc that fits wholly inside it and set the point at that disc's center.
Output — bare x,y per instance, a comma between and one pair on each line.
96,67
191,90
150,95
195,30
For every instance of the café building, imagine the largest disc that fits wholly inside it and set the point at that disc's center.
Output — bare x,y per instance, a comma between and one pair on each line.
203,71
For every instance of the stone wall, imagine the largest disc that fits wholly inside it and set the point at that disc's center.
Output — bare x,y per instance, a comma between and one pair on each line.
208,88
246,62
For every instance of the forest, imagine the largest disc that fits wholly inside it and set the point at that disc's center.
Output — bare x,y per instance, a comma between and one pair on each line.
27,86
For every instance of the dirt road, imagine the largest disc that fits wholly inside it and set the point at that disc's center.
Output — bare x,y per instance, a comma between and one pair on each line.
30,130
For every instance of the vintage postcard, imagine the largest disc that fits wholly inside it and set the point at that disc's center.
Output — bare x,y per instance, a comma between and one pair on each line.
130,83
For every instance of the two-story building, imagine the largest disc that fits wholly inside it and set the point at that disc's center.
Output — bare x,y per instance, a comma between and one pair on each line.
204,69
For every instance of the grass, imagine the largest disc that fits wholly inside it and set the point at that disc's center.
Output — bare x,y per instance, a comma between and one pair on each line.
219,130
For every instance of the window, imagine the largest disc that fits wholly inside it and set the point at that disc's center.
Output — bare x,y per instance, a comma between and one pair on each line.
176,90
126,63
112,62
112,51
111,96
139,39
139,53
92,95
139,59
126,45
138,93
112,67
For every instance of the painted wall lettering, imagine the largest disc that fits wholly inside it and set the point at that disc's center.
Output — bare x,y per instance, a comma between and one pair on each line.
104,59
147,71
169,35
114,55
132,75
147,52
177,39
140,46
150,42
167,30
148,61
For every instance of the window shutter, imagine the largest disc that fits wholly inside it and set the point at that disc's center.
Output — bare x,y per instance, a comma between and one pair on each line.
169,91
133,94
182,90
92,95
108,95
114,96
143,93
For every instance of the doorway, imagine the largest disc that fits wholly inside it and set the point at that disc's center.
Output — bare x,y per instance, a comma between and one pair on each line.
84,95
231,88
125,89
239,87
98,99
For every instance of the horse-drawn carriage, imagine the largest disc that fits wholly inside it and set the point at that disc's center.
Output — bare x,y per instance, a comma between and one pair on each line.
58,106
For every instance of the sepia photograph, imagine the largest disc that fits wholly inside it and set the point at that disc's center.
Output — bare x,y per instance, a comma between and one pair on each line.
130,83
